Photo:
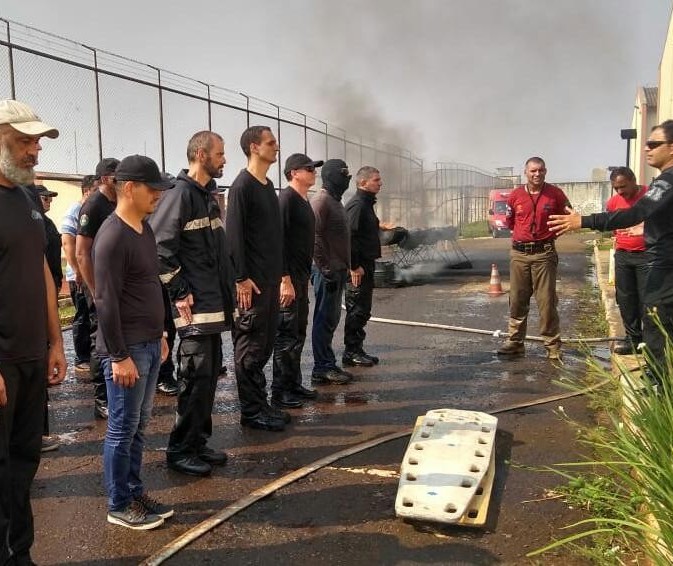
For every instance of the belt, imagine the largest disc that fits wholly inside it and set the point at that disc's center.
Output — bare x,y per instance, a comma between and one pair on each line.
533,247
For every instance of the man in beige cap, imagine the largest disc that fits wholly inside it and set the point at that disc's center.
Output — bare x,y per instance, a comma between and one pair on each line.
31,346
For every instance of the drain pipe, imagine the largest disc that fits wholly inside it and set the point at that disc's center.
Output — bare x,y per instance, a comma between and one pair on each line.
220,517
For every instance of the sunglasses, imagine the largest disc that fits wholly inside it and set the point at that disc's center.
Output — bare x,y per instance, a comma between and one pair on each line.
309,168
653,144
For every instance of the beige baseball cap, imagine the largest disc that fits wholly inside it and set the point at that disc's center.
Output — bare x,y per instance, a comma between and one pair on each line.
21,117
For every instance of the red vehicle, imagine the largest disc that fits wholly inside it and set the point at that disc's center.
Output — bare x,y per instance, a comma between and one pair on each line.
497,212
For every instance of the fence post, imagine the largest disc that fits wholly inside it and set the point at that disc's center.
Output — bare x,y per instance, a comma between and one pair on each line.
280,148
99,131
10,56
305,136
161,118
210,119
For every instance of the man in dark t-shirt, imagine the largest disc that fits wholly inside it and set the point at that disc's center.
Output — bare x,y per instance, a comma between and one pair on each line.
130,327
31,346
92,214
254,231
298,221
53,251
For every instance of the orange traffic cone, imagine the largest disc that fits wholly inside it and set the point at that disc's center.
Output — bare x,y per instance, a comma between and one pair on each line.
495,288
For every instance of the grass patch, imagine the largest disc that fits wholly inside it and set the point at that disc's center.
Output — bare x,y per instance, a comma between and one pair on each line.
475,229
591,320
66,315
627,479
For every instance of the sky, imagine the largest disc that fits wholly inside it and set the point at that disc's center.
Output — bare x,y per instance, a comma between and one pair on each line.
484,82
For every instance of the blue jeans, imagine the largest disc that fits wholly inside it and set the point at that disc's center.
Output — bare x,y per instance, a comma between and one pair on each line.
130,409
326,315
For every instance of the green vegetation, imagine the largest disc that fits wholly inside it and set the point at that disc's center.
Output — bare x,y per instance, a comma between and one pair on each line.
628,479
591,320
66,314
475,229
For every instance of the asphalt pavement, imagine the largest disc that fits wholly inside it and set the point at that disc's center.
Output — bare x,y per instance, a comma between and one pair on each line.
344,514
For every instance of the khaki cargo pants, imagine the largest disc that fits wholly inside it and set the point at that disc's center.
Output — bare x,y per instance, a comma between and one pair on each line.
534,274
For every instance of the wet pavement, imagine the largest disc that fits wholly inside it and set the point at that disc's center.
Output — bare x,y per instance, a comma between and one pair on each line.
343,514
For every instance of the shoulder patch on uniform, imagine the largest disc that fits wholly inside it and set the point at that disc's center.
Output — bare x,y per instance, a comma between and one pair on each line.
83,220
35,215
657,189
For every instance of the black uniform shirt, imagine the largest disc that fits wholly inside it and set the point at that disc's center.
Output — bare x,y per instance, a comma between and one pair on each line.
254,230
298,233
23,296
92,214
364,228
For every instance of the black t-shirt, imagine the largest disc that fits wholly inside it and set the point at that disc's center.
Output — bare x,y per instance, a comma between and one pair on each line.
23,296
92,214
128,298
53,252
298,223
254,231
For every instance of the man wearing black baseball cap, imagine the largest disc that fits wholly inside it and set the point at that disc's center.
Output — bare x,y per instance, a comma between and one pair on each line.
92,214
130,338
298,221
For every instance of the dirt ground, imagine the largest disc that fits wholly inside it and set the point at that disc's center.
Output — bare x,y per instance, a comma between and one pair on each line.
344,514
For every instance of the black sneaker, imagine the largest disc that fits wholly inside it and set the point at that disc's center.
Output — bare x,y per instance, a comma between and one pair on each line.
356,359
135,517
286,400
210,456
168,387
263,421
153,507
100,410
624,349
278,413
374,359
335,376
304,392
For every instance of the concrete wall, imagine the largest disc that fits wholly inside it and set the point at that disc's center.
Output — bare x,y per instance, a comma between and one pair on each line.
644,119
665,97
587,197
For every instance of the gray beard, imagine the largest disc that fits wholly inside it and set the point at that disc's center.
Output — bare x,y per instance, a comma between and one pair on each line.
12,172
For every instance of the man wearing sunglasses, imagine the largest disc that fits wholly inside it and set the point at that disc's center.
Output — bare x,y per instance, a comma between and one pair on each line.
298,220
655,209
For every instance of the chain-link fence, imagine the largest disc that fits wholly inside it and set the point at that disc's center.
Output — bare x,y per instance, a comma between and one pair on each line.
107,105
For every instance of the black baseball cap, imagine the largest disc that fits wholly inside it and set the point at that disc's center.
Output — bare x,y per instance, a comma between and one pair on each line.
45,192
299,161
143,169
106,168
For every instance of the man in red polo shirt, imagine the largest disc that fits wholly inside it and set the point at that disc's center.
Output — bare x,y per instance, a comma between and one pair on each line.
533,260
631,261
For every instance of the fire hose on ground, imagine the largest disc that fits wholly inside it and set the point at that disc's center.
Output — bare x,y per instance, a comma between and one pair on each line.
229,511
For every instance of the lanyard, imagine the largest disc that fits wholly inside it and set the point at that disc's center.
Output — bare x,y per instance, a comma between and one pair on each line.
533,226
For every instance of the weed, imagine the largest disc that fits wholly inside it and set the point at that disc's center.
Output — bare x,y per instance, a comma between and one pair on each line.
627,483
475,229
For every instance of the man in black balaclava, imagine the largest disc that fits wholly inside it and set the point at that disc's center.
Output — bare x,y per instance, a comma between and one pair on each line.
331,257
